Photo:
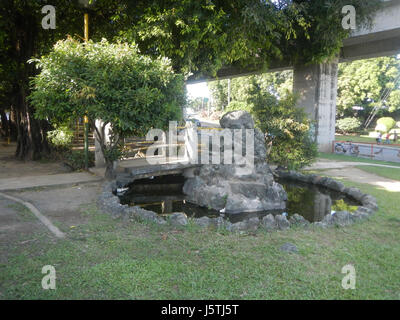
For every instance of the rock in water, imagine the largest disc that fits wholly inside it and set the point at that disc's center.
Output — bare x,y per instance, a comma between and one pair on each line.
241,186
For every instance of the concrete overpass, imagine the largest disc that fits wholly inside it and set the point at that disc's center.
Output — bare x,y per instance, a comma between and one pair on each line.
316,85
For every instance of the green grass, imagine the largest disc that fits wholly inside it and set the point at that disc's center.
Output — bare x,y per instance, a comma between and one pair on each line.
339,157
114,259
364,139
24,214
389,173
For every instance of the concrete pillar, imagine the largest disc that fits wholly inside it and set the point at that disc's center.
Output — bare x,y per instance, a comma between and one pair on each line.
316,86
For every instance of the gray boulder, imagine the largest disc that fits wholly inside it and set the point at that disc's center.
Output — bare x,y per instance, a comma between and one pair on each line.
237,120
298,220
237,187
203,222
269,223
354,193
282,222
342,218
178,219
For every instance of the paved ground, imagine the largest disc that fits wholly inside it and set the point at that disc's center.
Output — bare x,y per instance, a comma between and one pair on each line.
348,171
15,174
17,226
64,206
332,164
10,167
16,183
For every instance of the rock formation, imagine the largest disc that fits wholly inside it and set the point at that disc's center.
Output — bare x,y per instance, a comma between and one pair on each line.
237,187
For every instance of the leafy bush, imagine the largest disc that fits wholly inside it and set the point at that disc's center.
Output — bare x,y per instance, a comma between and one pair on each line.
348,125
287,127
238,105
385,124
108,81
61,137
76,159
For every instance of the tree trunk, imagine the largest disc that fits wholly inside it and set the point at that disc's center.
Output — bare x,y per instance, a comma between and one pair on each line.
5,127
31,133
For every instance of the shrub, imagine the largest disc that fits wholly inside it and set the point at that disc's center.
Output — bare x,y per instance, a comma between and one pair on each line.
348,125
238,105
287,128
108,81
61,137
76,159
385,124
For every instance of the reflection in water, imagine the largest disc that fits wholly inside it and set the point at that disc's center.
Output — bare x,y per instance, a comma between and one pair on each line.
164,196
322,206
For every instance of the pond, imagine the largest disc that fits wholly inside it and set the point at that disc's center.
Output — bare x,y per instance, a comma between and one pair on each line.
164,195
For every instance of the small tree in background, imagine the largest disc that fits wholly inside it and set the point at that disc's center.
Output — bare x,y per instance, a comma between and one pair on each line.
287,128
111,82
348,125
385,124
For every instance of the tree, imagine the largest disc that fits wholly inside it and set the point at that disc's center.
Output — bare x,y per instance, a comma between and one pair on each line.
198,36
21,38
363,83
276,83
112,82
202,36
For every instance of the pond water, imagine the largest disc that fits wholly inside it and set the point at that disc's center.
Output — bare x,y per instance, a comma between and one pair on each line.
164,195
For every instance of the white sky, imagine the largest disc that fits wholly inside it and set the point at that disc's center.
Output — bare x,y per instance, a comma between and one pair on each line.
198,90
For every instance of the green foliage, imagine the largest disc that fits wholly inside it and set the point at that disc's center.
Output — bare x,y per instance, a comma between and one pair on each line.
238,105
341,205
348,125
268,98
202,36
289,130
76,159
364,82
111,82
385,124
276,83
61,136
285,125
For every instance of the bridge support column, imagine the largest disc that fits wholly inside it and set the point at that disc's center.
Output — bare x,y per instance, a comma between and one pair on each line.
316,86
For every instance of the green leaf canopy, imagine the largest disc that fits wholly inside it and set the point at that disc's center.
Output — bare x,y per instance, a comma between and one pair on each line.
112,82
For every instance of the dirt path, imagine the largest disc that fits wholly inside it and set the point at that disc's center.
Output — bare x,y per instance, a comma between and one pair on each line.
348,171
332,164
64,206
18,227
13,168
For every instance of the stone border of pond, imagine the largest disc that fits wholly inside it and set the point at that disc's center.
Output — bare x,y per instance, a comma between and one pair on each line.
109,202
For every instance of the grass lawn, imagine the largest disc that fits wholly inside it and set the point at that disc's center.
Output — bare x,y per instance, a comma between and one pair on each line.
389,173
339,157
365,139
115,259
